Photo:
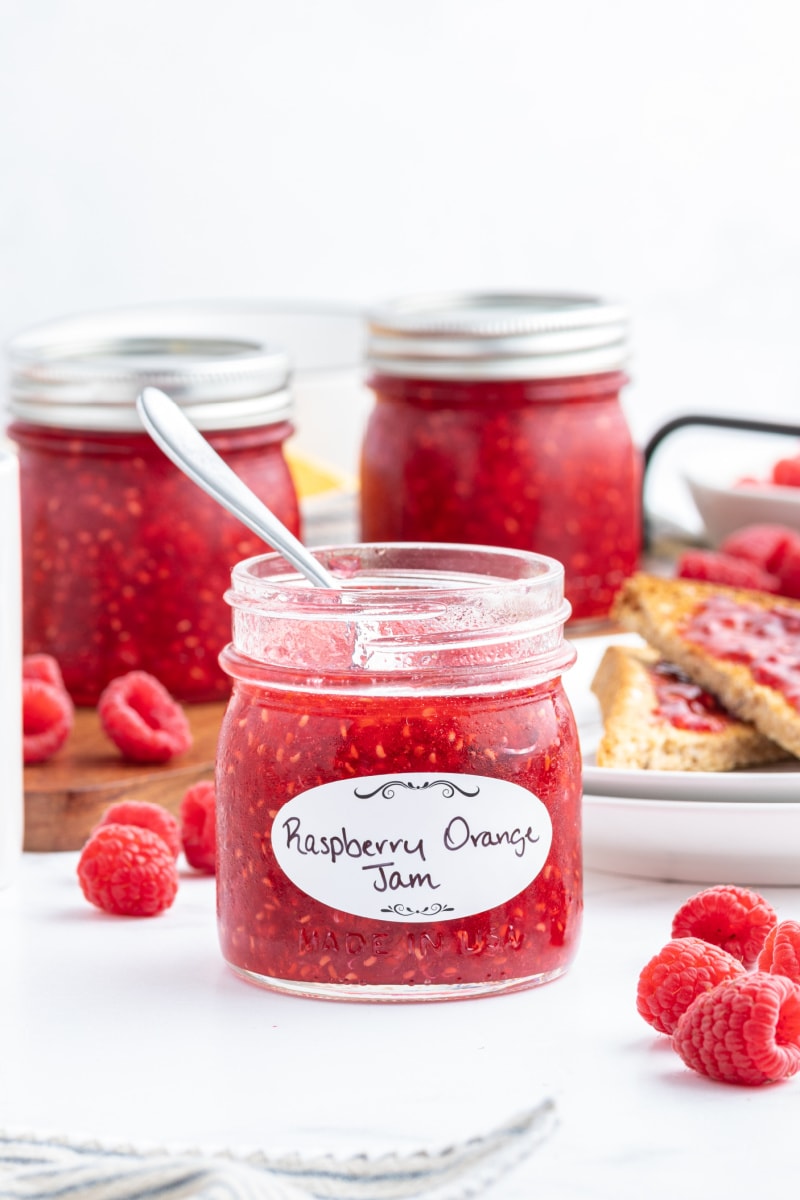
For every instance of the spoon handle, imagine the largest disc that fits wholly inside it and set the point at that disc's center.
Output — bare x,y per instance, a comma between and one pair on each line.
175,434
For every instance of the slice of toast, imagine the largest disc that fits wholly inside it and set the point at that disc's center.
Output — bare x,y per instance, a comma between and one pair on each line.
731,658
641,699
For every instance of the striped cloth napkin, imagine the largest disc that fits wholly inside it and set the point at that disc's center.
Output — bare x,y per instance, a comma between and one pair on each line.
43,1168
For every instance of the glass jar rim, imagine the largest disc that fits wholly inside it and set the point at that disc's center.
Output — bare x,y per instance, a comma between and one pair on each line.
410,615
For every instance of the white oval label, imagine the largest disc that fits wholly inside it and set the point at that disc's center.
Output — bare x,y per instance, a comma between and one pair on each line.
413,847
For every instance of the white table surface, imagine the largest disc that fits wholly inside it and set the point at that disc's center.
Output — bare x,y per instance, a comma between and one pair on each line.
133,1030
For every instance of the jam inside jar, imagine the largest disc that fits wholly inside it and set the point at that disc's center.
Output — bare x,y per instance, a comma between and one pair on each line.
398,776
125,560
498,421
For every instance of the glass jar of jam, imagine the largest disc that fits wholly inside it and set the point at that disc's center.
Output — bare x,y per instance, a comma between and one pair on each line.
398,776
497,421
125,560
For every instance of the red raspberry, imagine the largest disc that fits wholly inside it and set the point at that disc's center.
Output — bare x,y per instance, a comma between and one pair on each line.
786,472
148,816
47,719
128,870
764,545
143,721
789,570
680,972
199,827
781,952
43,667
737,919
745,1030
713,567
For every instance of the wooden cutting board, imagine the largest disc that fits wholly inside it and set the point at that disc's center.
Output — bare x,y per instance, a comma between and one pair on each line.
67,796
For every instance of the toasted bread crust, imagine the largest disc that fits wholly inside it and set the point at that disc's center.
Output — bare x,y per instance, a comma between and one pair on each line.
635,736
657,608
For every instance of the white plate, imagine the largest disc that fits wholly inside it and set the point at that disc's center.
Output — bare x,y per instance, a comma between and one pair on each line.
692,826
778,782
724,507
693,841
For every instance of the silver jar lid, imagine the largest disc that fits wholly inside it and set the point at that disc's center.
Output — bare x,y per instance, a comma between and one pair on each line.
463,336
86,372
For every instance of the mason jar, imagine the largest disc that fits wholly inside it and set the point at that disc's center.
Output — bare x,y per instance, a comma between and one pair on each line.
12,803
497,421
125,560
398,776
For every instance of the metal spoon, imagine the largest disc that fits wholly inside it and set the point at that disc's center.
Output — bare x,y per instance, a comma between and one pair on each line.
172,430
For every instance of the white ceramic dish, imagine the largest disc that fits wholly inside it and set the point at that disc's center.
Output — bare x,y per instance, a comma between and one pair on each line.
693,841
725,508
701,827
778,783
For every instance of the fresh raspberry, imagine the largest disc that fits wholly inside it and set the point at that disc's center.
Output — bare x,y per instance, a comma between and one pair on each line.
789,570
128,870
199,827
47,719
737,919
682,970
713,567
45,668
148,816
781,952
764,545
143,721
786,472
745,1030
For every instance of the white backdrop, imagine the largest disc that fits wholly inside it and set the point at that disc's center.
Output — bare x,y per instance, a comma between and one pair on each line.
347,150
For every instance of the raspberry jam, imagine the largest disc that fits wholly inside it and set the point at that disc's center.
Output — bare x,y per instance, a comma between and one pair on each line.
683,704
497,421
125,560
398,776
766,640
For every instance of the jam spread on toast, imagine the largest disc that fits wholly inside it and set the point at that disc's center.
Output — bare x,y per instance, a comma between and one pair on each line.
765,640
683,704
